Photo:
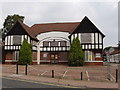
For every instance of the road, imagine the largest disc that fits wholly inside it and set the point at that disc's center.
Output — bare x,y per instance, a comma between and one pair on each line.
17,84
11,83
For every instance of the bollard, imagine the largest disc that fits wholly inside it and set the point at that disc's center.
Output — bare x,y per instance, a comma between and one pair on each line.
16,68
116,75
81,75
26,70
52,73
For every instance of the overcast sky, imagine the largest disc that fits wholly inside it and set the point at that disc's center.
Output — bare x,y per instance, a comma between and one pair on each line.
103,14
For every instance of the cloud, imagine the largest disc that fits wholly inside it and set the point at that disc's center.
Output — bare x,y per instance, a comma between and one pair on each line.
103,14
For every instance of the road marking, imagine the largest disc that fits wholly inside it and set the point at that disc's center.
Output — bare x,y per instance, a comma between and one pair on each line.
44,72
88,76
64,73
45,83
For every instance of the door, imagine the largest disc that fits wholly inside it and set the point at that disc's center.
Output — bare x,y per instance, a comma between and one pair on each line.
54,58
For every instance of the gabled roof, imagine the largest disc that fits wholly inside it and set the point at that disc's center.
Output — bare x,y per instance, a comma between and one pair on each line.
86,26
25,27
64,27
28,30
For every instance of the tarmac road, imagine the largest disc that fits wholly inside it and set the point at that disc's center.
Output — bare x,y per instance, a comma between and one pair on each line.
16,84
11,83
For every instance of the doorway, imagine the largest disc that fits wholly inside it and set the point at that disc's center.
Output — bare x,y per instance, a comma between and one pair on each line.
54,58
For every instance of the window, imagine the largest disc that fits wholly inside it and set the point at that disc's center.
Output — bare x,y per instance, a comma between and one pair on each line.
46,43
63,43
86,38
54,43
34,56
16,40
15,55
63,56
98,55
45,56
88,56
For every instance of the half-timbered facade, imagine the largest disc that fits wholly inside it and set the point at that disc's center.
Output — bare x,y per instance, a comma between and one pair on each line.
51,42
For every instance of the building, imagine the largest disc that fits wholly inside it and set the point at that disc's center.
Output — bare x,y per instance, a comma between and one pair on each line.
51,41
115,54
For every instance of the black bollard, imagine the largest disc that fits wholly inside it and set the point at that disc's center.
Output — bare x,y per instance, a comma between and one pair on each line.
52,73
81,75
116,75
16,68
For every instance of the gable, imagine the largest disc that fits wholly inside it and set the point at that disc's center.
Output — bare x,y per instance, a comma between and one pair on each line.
86,26
17,30
21,29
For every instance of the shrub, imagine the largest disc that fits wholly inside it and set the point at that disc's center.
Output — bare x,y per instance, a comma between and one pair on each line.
25,54
76,55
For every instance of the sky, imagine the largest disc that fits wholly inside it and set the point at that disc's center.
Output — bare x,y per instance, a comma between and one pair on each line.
103,13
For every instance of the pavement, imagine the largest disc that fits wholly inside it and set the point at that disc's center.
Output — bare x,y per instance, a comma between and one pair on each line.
63,82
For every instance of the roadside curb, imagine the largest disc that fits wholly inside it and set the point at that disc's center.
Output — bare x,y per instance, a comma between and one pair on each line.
68,83
45,83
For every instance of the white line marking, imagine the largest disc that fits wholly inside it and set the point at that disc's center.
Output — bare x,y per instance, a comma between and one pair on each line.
64,73
88,76
112,77
44,72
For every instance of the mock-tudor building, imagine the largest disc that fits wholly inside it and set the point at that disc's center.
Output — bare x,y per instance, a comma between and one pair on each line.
51,42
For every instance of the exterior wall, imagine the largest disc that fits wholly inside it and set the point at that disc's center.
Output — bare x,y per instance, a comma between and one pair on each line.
46,57
115,58
93,55
10,46
51,37
9,58
95,43
93,63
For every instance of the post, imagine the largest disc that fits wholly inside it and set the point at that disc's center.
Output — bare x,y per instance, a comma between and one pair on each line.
26,70
52,73
81,75
116,75
16,68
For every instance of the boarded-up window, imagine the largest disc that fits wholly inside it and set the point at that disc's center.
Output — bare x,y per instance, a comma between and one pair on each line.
86,38
63,56
34,56
63,43
45,56
54,43
8,56
16,39
15,55
46,43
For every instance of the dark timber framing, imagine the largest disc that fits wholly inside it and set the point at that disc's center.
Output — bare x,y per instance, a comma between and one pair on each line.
85,26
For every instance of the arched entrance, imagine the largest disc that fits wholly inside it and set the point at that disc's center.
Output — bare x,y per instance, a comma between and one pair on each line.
49,48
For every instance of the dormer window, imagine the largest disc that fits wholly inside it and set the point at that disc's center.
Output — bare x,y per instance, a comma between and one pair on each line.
17,39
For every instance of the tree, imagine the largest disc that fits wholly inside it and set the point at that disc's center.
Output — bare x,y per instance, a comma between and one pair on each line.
25,54
76,55
9,22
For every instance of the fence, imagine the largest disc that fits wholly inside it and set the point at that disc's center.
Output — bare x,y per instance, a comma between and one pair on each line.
96,73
